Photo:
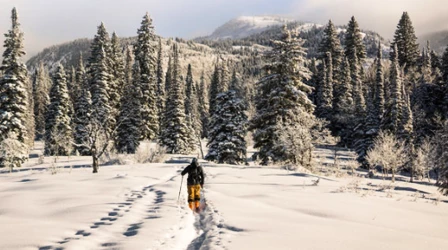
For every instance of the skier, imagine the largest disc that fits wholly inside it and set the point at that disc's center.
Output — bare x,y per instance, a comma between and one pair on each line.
195,182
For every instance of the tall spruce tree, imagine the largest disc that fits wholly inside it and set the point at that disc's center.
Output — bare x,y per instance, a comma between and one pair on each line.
331,43
145,56
214,88
203,107
160,84
379,102
343,98
41,89
175,134
58,133
228,129
13,95
283,102
394,106
83,110
353,41
406,42
129,119
357,87
406,128
99,68
117,74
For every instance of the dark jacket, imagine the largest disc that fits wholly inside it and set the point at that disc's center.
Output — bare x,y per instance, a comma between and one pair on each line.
195,174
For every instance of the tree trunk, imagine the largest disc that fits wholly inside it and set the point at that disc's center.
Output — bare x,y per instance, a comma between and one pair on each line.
95,164
412,174
393,175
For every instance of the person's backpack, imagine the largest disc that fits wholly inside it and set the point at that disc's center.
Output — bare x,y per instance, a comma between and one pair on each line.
194,175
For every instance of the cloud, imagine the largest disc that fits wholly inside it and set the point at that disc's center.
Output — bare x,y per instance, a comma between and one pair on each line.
378,15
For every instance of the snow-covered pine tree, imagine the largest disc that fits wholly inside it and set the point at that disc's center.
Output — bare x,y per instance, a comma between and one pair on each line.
283,102
320,89
117,75
191,106
13,94
331,43
188,89
168,76
29,120
406,42
129,119
58,133
203,106
214,88
406,129
175,133
145,56
379,102
128,69
41,89
357,87
343,99
224,78
393,115
353,40
83,110
228,129
160,85
73,88
99,78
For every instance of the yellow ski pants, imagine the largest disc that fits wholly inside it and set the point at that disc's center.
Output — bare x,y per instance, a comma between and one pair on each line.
194,196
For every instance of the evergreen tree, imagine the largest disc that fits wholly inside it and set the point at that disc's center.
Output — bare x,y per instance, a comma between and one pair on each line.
168,76
83,110
58,133
175,134
128,69
228,129
379,102
99,78
331,43
353,41
188,91
325,94
160,84
145,56
13,94
117,74
214,89
406,128
445,67
357,88
283,103
343,99
129,119
41,89
394,105
406,42
203,107
224,78
191,106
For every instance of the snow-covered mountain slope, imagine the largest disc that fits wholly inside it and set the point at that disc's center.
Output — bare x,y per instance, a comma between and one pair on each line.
438,41
245,26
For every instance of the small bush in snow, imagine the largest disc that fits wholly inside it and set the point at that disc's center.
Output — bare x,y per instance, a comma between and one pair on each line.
387,152
150,153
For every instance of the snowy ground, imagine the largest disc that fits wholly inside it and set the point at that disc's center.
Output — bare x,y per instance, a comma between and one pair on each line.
135,207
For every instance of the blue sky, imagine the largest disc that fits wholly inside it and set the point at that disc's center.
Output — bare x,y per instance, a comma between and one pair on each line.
49,22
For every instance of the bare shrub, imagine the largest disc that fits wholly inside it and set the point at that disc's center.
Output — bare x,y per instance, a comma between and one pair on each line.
150,153
387,152
12,152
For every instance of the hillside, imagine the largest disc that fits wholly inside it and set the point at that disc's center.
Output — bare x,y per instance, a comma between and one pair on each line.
438,41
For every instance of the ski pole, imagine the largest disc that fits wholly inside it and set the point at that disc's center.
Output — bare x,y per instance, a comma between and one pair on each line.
180,188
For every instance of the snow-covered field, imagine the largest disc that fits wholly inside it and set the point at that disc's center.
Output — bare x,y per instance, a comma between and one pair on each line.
248,207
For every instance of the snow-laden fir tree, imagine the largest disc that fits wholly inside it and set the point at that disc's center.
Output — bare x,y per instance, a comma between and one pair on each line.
175,135
129,119
224,78
379,101
73,88
191,108
331,43
41,89
214,88
145,56
128,68
168,76
117,74
83,110
394,104
283,102
406,128
406,42
58,133
13,95
342,97
357,87
203,106
353,41
99,78
325,95
228,129
29,119
160,84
